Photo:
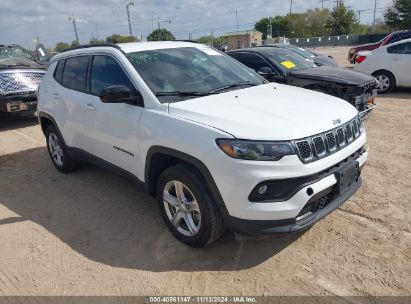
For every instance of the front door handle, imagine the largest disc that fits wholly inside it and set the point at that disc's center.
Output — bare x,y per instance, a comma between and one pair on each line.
90,107
57,97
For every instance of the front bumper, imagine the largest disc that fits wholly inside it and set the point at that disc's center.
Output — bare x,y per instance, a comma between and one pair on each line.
18,103
323,200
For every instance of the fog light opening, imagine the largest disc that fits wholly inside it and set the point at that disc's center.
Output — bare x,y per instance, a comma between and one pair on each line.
310,191
262,190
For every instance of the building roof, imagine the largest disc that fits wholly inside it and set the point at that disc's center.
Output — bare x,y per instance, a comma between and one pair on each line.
240,33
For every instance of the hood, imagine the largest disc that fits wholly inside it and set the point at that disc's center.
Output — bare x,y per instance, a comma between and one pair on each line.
333,74
19,63
267,112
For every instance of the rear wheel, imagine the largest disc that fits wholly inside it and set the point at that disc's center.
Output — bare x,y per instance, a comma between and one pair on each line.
386,81
58,151
187,206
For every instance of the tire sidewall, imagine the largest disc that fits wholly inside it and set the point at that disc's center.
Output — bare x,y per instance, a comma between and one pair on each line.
53,130
196,185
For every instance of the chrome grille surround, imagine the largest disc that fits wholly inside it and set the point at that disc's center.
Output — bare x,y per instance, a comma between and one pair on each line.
321,145
19,81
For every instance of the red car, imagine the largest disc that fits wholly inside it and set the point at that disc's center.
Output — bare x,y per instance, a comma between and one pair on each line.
391,38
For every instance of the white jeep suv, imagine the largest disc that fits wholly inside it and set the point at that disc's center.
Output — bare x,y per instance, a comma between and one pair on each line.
218,146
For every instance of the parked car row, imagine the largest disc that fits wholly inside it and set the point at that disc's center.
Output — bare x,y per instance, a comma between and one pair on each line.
217,144
281,65
390,38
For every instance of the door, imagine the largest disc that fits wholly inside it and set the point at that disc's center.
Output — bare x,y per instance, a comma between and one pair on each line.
399,57
69,101
261,66
112,128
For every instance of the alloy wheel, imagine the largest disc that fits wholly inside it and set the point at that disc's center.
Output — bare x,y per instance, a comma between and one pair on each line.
182,208
56,150
384,83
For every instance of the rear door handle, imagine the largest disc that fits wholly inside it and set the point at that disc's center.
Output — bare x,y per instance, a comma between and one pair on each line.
90,107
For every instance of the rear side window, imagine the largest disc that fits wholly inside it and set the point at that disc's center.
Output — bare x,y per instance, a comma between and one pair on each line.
253,61
75,73
58,72
105,72
403,48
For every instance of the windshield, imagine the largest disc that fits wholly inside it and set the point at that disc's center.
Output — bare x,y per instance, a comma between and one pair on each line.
179,72
289,61
300,51
15,51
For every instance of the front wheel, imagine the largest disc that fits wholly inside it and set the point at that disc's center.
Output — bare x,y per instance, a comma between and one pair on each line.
386,81
187,206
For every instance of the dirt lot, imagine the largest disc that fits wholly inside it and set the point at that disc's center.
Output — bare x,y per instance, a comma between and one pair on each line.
95,233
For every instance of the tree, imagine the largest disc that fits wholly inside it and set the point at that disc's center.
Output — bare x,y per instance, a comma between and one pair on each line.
161,35
342,20
75,43
96,41
280,26
61,46
398,16
116,38
315,21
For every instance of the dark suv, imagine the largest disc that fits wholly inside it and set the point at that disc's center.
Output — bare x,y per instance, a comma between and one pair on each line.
20,74
284,66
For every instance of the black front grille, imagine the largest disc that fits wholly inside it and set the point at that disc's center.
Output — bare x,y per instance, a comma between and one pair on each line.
331,142
315,206
304,149
321,145
340,137
348,132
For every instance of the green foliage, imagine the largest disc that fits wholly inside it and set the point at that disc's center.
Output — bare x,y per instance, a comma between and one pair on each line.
280,26
161,35
398,16
315,20
342,20
96,41
61,46
121,39
207,40
74,43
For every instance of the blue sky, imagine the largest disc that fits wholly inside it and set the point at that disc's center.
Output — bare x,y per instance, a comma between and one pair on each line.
23,20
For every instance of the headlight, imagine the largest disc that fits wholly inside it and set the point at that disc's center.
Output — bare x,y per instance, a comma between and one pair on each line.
255,150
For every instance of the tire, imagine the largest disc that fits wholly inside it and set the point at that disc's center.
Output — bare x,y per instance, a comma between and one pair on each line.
387,81
58,151
206,222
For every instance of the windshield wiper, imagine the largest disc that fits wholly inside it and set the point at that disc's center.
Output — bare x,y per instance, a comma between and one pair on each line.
233,85
181,93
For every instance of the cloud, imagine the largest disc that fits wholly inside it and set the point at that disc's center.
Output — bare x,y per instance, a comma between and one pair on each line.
23,20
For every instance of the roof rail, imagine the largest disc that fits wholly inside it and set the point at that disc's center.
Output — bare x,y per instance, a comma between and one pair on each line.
86,46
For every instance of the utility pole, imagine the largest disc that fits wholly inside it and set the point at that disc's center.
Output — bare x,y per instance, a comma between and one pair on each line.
291,6
159,22
375,9
236,20
98,36
75,20
128,17
212,38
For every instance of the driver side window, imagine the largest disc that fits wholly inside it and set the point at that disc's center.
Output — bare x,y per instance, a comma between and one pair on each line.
105,72
253,61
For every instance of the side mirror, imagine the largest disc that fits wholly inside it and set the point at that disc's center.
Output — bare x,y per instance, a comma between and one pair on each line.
265,71
120,94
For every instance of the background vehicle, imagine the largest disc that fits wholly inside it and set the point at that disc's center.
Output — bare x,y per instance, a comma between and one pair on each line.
391,65
185,119
283,66
20,75
391,38
318,59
